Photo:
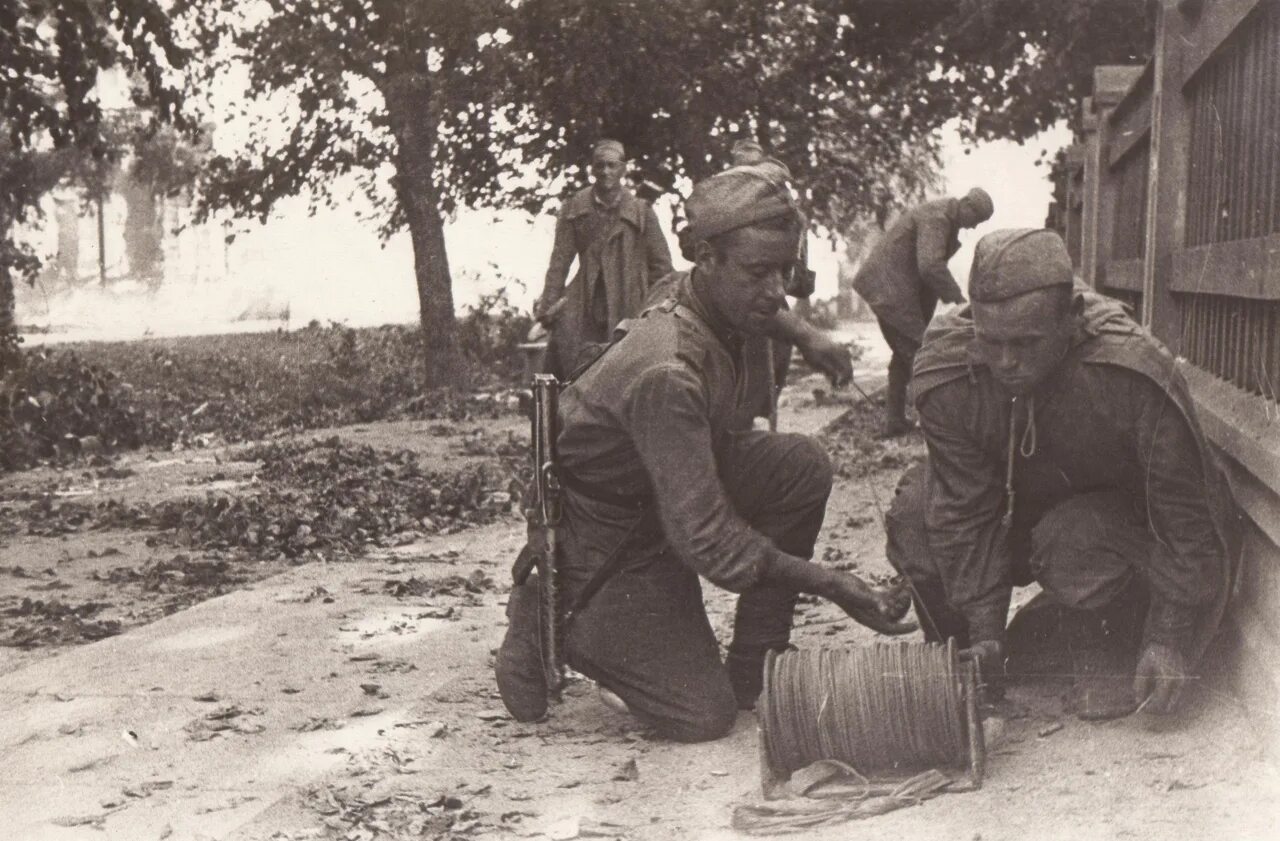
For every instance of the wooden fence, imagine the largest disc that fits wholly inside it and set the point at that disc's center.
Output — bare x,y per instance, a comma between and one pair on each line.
1179,182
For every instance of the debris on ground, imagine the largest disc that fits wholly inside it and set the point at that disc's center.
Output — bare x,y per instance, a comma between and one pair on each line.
857,451
35,622
348,813
452,585
314,498
225,719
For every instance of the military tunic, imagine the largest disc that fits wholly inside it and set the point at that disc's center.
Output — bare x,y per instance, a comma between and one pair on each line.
653,421
906,273
1111,479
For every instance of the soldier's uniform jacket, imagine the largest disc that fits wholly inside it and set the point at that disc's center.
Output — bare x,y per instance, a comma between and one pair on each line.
906,273
1115,414
620,250
646,421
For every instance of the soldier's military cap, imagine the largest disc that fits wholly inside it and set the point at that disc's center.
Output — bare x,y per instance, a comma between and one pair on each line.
607,145
738,197
980,200
1012,262
746,151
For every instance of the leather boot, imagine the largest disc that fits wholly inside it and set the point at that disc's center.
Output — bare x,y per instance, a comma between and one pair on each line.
746,672
518,667
1036,643
895,399
1102,666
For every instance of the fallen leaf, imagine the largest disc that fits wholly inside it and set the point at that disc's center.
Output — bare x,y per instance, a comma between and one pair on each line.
629,772
1050,730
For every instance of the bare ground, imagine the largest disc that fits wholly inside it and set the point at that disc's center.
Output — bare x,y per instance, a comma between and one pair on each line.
355,700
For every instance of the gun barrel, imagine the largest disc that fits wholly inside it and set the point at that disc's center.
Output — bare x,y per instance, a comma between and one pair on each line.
546,513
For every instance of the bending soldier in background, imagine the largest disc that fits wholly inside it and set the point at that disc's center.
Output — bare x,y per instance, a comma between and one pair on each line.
659,489
1064,449
621,251
906,275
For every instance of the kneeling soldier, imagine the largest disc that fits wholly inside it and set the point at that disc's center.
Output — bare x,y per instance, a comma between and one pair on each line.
1064,449
660,489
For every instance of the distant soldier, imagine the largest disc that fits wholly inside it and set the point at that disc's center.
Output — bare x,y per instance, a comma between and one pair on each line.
620,249
906,275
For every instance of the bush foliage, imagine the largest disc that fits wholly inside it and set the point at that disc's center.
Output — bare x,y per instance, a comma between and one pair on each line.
58,402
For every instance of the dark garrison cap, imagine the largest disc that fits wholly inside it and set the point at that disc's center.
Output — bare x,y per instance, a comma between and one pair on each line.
980,200
745,151
1012,262
738,197
608,145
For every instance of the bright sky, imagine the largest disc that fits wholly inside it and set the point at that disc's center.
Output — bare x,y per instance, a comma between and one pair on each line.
332,267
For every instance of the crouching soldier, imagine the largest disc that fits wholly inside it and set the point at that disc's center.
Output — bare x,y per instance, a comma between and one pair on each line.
1062,448
660,490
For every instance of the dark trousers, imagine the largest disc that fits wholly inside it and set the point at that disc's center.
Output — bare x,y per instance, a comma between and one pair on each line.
1086,551
645,635
904,349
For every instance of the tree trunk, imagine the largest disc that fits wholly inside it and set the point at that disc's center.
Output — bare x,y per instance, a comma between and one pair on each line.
409,112
67,262
102,242
9,357
143,232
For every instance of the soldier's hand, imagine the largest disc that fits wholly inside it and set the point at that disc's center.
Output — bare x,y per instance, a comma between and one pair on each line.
546,314
1159,678
878,608
537,332
989,657
827,355
988,654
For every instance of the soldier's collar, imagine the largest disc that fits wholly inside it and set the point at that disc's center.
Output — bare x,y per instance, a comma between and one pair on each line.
618,199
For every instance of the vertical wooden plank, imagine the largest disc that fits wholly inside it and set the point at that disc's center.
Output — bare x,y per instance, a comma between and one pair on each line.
1224,334
1197,328
1187,345
1235,155
1195,167
1202,158
1251,360
1213,115
1237,344
1191,305
1164,223
1229,356
1264,351
1251,106
1273,356
1212,364
1271,140
1233,341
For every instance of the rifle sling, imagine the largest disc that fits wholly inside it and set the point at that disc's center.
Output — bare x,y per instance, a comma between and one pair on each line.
639,502
611,566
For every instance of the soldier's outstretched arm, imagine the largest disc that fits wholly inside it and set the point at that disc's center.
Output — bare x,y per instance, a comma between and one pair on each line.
879,608
818,347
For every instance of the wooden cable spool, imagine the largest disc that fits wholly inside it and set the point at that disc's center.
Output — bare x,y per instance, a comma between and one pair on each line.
888,711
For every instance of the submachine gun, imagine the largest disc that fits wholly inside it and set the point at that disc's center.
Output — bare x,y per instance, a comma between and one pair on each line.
543,516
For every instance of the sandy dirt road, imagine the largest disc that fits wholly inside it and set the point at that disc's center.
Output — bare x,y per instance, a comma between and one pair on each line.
355,700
